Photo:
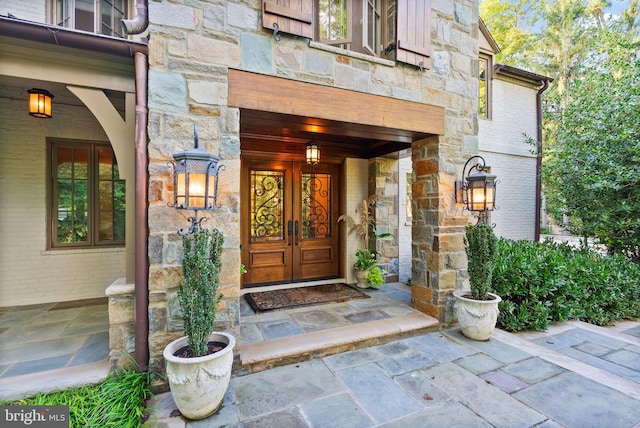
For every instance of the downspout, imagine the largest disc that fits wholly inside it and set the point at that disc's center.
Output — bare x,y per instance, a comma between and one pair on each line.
137,26
545,85
140,22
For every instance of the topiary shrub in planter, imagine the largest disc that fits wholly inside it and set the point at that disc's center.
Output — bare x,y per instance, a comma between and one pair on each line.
477,308
199,365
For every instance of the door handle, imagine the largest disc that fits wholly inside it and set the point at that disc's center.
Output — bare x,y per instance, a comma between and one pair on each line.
297,232
289,231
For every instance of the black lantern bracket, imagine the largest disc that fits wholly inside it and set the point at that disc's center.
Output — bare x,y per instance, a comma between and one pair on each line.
195,182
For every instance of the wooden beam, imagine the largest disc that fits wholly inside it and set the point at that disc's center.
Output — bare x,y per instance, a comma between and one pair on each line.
275,94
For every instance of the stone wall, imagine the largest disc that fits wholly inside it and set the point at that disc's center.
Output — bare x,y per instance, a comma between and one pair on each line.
384,181
192,46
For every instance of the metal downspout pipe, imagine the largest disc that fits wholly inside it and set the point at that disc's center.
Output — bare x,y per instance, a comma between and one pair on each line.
140,22
137,26
545,85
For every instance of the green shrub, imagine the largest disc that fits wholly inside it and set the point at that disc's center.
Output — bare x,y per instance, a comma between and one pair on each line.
480,246
544,282
198,293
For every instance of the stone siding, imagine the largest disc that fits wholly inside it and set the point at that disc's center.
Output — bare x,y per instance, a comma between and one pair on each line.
193,45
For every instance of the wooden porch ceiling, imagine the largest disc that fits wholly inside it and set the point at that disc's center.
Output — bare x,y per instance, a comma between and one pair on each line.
262,131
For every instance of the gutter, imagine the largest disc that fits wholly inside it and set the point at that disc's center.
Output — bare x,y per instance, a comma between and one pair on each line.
545,85
136,26
50,34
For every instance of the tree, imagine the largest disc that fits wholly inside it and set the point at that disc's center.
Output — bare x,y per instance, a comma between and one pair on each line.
512,26
593,165
591,139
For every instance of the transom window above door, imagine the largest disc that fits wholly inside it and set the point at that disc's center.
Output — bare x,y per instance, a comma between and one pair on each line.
94,16
398,30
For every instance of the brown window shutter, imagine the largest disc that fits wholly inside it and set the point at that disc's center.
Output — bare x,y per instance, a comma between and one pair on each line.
414,32
291,16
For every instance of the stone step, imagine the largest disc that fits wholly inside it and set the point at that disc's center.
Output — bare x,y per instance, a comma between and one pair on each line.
255,357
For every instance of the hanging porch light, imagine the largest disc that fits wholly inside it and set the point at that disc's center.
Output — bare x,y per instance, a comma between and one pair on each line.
40,103
312,152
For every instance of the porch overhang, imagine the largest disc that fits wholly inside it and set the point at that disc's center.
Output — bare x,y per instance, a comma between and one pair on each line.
279,114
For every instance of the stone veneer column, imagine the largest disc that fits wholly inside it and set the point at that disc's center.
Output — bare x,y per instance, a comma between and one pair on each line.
189,56
383,173
439,260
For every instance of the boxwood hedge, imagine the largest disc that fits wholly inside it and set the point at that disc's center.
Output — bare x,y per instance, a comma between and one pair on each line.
545,282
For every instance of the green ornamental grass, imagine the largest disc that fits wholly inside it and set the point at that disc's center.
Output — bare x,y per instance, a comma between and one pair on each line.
118,401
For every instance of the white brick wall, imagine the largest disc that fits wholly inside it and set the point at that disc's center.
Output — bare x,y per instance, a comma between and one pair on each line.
29,274
502,144
31,10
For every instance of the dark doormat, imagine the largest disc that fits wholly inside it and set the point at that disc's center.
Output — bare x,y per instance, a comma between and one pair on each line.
303,296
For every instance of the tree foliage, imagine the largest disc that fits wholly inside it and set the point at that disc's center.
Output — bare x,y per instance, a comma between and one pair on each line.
594,162
591,111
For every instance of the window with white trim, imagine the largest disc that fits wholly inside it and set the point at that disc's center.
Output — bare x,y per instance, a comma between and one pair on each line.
94,16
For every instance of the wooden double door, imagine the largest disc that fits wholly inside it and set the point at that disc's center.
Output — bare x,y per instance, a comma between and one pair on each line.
289,230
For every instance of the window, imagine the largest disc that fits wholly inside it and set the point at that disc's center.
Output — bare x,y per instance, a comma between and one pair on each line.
87,196
95,16
484,89
379,27
334,22
398,30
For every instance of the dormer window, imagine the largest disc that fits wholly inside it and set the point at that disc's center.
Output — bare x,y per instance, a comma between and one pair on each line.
94,16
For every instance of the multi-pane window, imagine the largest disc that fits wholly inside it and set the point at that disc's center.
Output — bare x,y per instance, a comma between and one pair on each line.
334,26
95,16
87,196
483,89
366,26
397,30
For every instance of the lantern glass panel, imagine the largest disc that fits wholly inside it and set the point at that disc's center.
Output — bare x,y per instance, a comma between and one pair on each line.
39,105
476,196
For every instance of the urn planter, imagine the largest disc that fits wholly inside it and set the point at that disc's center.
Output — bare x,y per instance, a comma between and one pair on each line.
476,318
198,385
361,277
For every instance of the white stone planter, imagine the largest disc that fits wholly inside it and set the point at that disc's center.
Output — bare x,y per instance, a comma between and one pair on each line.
476,318
361,277
198,385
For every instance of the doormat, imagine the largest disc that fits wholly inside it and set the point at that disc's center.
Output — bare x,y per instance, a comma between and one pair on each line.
302,296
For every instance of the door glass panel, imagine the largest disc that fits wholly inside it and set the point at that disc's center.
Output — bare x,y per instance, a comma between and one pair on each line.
267,205
316,205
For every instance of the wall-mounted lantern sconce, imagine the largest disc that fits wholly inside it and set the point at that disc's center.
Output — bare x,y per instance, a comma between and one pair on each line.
195,182
312,152
478,190
40,103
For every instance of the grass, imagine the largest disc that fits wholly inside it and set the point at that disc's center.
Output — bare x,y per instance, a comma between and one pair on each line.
115,402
